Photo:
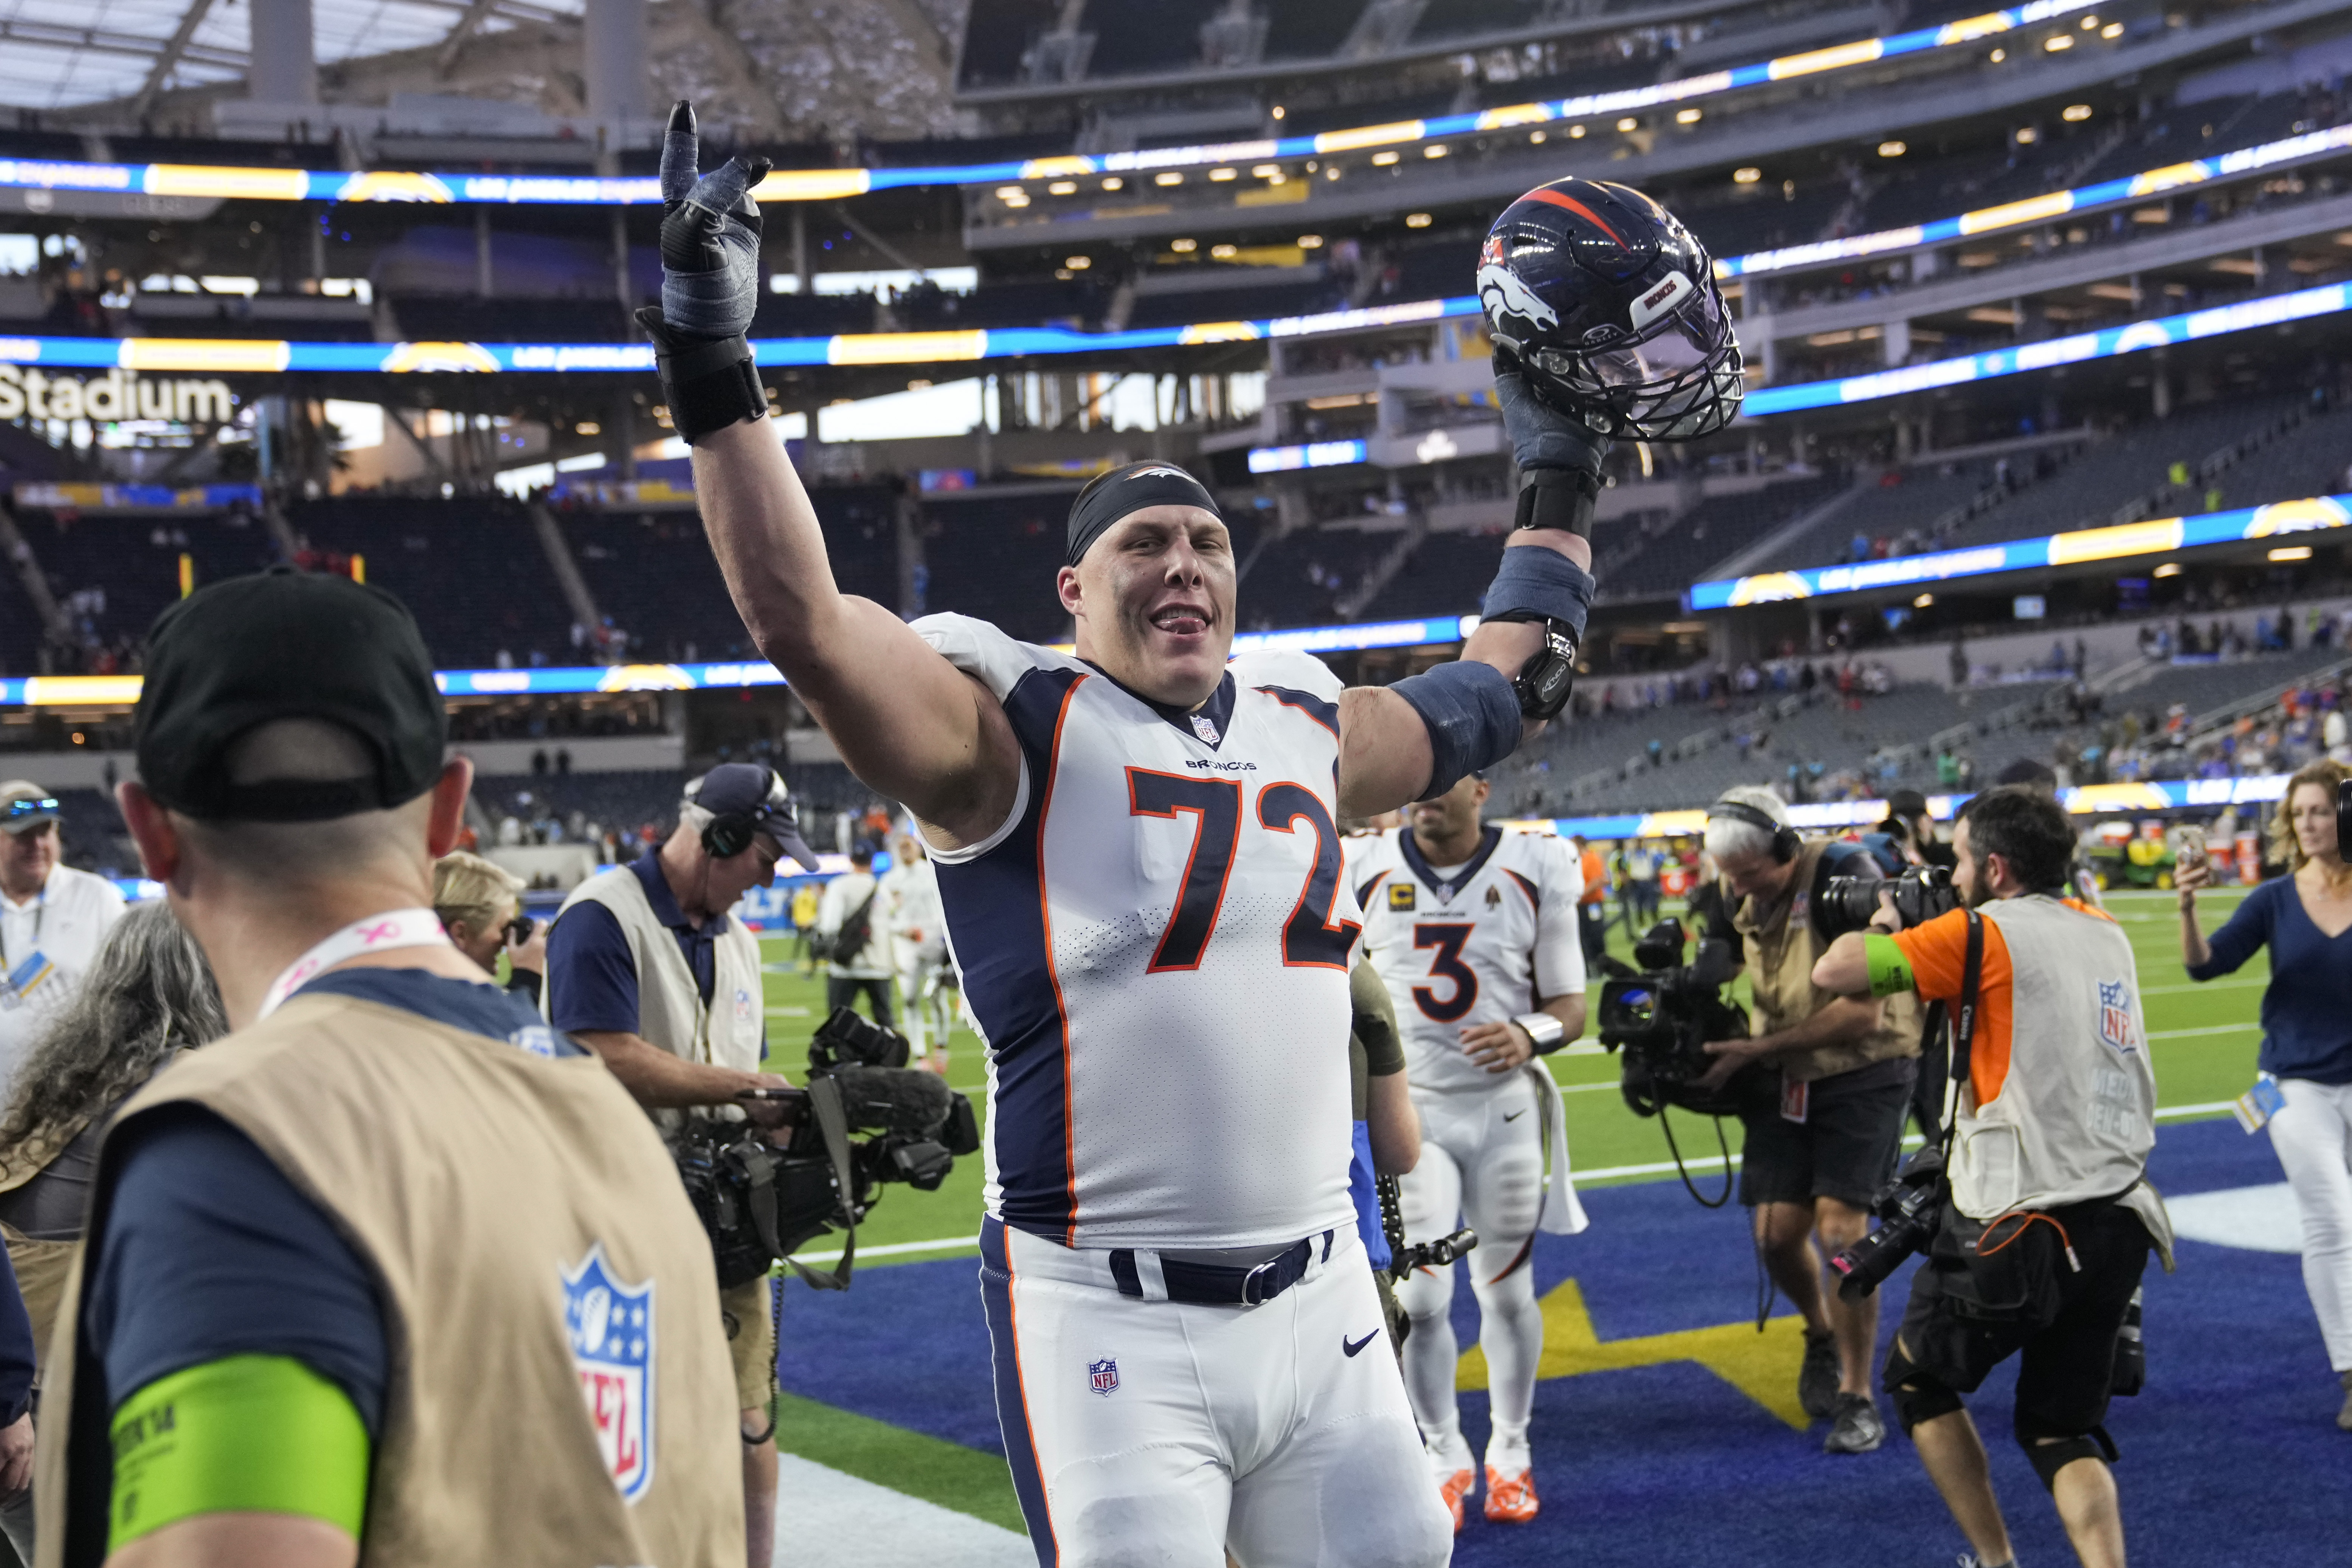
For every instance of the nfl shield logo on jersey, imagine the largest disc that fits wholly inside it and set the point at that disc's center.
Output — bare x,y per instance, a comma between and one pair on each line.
611,1331
1205,727
1104,1375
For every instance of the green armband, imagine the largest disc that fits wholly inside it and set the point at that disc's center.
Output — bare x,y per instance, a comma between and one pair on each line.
1890,971
247,1433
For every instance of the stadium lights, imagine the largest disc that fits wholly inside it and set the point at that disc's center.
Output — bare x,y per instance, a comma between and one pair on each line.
2090,24
1114,184
1923,601
1688,116
1416,220
1537,138
1185,247
1310,242
2027,136
1079,263
1385,159
1279,112
2292,552
1224,252
2076,112
1266,172
1436,150
1629,123
1168,177
1999,56
1575,132
1892,149
1063,189
2057,43
1007,193
1222,175
2112,31
2169,569
1747,176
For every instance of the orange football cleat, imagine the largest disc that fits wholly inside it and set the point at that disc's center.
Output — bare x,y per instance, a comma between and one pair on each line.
1510,1499
1453,1489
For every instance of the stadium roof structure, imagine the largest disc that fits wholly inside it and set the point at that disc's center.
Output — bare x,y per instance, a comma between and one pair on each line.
64,54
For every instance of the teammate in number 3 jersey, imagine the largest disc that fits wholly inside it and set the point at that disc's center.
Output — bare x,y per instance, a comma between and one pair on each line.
1140,871
1474,930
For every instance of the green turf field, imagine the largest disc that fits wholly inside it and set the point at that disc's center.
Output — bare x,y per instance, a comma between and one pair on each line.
2202,1038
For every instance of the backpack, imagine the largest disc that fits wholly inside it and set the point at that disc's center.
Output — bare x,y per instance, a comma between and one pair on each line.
846,945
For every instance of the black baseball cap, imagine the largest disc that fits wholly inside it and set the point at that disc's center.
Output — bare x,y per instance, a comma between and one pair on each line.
758,791
287,645
1906,804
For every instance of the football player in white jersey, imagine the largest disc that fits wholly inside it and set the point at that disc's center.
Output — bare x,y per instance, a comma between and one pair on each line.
1139,863
909,902
1474,930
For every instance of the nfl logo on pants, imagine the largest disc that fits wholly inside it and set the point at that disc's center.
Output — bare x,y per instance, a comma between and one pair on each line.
1105,1375
611,1332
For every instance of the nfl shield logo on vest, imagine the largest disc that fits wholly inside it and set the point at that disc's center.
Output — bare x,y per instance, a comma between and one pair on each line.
611,1327
1103,1375
743,1007
2115,1015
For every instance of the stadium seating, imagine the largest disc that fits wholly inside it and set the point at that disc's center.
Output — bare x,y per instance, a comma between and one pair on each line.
472,569
995,559
134,564
1681,548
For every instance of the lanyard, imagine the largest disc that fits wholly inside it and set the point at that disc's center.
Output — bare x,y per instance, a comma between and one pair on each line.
375,933
40,912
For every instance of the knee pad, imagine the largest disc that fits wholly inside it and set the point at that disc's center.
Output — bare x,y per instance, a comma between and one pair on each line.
2050,1452
1915,1396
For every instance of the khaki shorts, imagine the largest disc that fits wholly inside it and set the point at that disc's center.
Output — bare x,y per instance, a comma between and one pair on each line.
751,1341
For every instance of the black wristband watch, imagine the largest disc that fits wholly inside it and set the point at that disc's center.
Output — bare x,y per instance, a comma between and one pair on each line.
1558,498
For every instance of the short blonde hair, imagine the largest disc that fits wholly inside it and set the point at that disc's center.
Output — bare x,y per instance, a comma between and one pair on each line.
470,888
2325,774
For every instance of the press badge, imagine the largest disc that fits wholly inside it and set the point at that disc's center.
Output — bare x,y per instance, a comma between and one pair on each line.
2260,1103
1795,1098
21,981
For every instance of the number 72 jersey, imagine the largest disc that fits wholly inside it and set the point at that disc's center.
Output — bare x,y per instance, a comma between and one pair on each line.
1155,944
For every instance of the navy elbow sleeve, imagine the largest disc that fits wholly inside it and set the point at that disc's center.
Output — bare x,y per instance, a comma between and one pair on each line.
1473,717
1536,584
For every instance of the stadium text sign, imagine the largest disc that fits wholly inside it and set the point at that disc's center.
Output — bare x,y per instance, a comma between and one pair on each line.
117,394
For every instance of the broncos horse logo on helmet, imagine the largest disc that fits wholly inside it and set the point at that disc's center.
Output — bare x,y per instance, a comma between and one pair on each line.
1610,306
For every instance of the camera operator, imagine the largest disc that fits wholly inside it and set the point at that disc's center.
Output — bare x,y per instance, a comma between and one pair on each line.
479,904
1819,1149
2048,1218
647,968
1907,835
2304,1094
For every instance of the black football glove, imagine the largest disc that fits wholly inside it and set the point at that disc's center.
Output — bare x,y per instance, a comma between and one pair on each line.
1559,458
710,284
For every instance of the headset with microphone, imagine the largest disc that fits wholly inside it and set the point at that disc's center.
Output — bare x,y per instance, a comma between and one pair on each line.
728,834
1786,842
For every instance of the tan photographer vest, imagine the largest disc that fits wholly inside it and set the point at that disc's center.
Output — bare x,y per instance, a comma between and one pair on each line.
671,1014
1781,952
516,1214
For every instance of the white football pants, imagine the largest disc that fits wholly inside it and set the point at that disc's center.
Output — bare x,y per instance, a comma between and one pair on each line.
1482,1164
2313,1135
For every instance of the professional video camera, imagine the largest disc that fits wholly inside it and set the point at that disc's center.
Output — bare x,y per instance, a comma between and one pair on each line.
760,1203
1851,903
1908,1208
1662,1019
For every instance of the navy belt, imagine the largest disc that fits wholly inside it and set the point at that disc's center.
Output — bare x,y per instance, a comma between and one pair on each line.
1213,1284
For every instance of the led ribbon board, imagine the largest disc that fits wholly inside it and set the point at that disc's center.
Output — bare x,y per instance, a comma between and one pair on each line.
2156,536
235,183
122,691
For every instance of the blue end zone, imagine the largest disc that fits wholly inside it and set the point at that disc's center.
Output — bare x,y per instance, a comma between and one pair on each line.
2231,1457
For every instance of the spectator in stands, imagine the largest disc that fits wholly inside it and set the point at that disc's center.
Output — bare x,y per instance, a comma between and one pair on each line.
150,997
52,920
2306,920
479,904
855,943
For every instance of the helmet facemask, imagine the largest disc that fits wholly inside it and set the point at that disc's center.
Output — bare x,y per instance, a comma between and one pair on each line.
1678,377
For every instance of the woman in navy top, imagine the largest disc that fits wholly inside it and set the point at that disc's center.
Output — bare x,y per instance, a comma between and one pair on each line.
2306,920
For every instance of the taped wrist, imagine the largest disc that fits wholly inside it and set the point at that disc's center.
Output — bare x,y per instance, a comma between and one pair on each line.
1890,971
1472,713
708,383
1534,583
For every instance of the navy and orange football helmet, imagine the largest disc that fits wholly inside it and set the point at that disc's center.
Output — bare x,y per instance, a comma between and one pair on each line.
1611,308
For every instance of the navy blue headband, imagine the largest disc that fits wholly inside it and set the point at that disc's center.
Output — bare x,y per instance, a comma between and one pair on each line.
1130,489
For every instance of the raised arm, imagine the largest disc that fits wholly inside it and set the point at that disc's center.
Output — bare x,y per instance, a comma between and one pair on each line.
907,723
1413,740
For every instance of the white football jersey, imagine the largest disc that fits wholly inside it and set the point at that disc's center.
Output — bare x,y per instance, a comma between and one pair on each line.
1156,945
1477,947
